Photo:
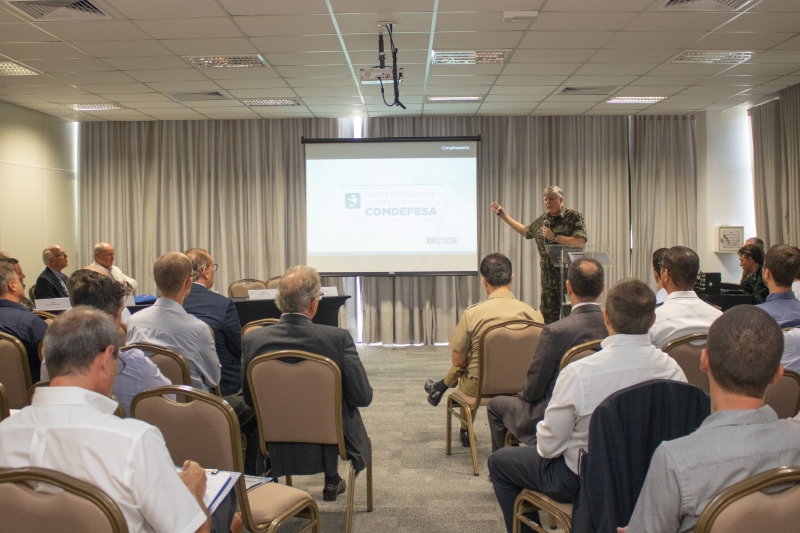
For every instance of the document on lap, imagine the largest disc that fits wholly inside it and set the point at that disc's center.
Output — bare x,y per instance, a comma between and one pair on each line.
218,485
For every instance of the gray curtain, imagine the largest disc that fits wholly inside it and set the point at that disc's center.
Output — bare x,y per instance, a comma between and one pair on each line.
517,158
771,198
663,188
790,128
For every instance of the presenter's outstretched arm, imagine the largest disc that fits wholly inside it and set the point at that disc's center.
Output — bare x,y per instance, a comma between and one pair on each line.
516,226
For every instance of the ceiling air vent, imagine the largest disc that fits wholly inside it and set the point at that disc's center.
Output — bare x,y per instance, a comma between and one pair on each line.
197,97
713,57
270,102
245,61
7,68
45,10
588,90
705,5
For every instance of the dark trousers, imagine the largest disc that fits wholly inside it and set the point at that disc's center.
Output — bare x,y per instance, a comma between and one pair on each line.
515,468
254,462
496,411
221,518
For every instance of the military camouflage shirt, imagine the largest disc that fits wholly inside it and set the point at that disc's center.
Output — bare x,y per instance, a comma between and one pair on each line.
568,222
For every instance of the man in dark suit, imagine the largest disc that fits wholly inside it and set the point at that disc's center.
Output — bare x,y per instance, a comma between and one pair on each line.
51,283
299,293
519,414
220,314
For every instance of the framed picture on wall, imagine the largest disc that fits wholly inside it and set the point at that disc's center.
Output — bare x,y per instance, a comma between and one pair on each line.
729,239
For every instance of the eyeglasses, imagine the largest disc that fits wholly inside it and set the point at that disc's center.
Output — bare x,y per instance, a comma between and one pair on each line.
216,266
321,296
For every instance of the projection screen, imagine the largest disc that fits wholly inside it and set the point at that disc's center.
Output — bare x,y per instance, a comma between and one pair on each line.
392,207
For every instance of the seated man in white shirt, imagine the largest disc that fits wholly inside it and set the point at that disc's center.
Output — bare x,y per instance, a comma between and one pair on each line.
104,259
683,313
137,372
658,259
71,428
166,323
627,358
742,436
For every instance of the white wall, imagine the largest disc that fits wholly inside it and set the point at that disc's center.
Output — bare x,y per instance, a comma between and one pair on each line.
725,194
38,187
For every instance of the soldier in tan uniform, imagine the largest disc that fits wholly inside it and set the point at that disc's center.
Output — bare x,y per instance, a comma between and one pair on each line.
501,306
558,225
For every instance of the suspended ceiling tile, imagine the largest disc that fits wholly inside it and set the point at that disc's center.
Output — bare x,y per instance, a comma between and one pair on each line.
791,44
523,89
634,55
675,107
274,7
150,105
181,74
721,91
766,22
475,40
456,90
369,41
295,44
613,69
538,69
531,80
597,81
341,81
552,55
461,80
575,98
508,106
94,30
313,72
446,6
572,21
286,25
556,112
241,110
565,105
6,16
337,100
404,58
42,90
471,70
565,39
23,33
680,69
602,106
175,112
23,51
522,98
780,6
503,112
605,5
87,78
370,6
368,23
117,88
344,90
479,21
201,105
323,59
136,99
738,80
668,80
252,84
741,40
51,66
654,39
172,9
650,90
147,63
105,49
241,73
268,92
74,99
775,56
194,47
190,28
785,81
691,99
183,86
17,81
679,22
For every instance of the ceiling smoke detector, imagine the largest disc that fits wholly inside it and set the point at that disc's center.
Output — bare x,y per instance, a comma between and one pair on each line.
588,90
94,107
270,102
635,99
241,61
479,57
7,68
713,57
45,10
453,99
197,96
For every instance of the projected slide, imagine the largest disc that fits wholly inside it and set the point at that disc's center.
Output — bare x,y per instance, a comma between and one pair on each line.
392,208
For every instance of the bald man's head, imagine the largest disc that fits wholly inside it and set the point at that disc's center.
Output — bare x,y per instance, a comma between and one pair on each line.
171,272
104,254
55,257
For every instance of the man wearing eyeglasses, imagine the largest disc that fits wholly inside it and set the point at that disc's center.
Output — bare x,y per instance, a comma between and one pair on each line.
51,282
220,314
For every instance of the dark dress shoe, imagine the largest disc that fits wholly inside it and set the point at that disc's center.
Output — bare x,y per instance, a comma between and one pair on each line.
434,396
464,438
429,385
330,492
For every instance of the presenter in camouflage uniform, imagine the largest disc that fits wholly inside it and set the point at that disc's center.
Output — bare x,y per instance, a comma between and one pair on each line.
558,225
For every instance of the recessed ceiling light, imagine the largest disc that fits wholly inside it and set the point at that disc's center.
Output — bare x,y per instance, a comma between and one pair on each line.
258,102
453,99
479,57
7,68
706,57
635,99
93,107
520,16
241,61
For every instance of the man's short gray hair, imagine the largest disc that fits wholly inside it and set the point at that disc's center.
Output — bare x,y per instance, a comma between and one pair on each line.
47,255
99,247
298,287
553,189
7,273
75,338
200,259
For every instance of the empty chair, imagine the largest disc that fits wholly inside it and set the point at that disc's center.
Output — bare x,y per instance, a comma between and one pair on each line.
257,324
686,352
505,352
15,373
272,283
769,501
239,288
578,352
302,402
207,431
784,395
78,508
171,363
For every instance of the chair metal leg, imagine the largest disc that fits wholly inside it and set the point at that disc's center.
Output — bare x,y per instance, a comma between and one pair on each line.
473,448
288,480
369,486
351,491
448,446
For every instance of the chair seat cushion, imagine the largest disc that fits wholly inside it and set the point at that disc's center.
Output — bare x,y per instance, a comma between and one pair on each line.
270,500
467,399
538,498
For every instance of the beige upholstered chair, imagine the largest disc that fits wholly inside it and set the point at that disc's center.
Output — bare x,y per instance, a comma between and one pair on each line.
272,283
239,288
15,372
686,352
258,324
529,501
302,402
576,353
206,430
80,508
32,293
171,363
784,395
44,315
4,410
33,388
505,352
769,501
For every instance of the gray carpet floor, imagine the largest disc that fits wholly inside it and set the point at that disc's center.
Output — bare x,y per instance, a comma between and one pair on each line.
416,486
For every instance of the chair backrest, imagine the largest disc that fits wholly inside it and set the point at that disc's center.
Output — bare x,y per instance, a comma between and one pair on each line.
4,409
171,363
258,324
79,507
784,395
769,501
298,399
505,352
578,352
123,333
686,352
239,288
15,373
272,283
33,388
32,293
44,315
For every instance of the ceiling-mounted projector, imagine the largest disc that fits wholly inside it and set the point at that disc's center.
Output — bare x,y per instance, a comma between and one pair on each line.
376,75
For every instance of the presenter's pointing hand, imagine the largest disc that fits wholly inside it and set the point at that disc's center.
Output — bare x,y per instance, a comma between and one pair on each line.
498,209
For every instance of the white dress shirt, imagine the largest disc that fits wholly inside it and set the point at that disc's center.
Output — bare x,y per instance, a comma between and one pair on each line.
683,313
117,274
796,289
661,296
166,323
791,350
72,430
624,360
